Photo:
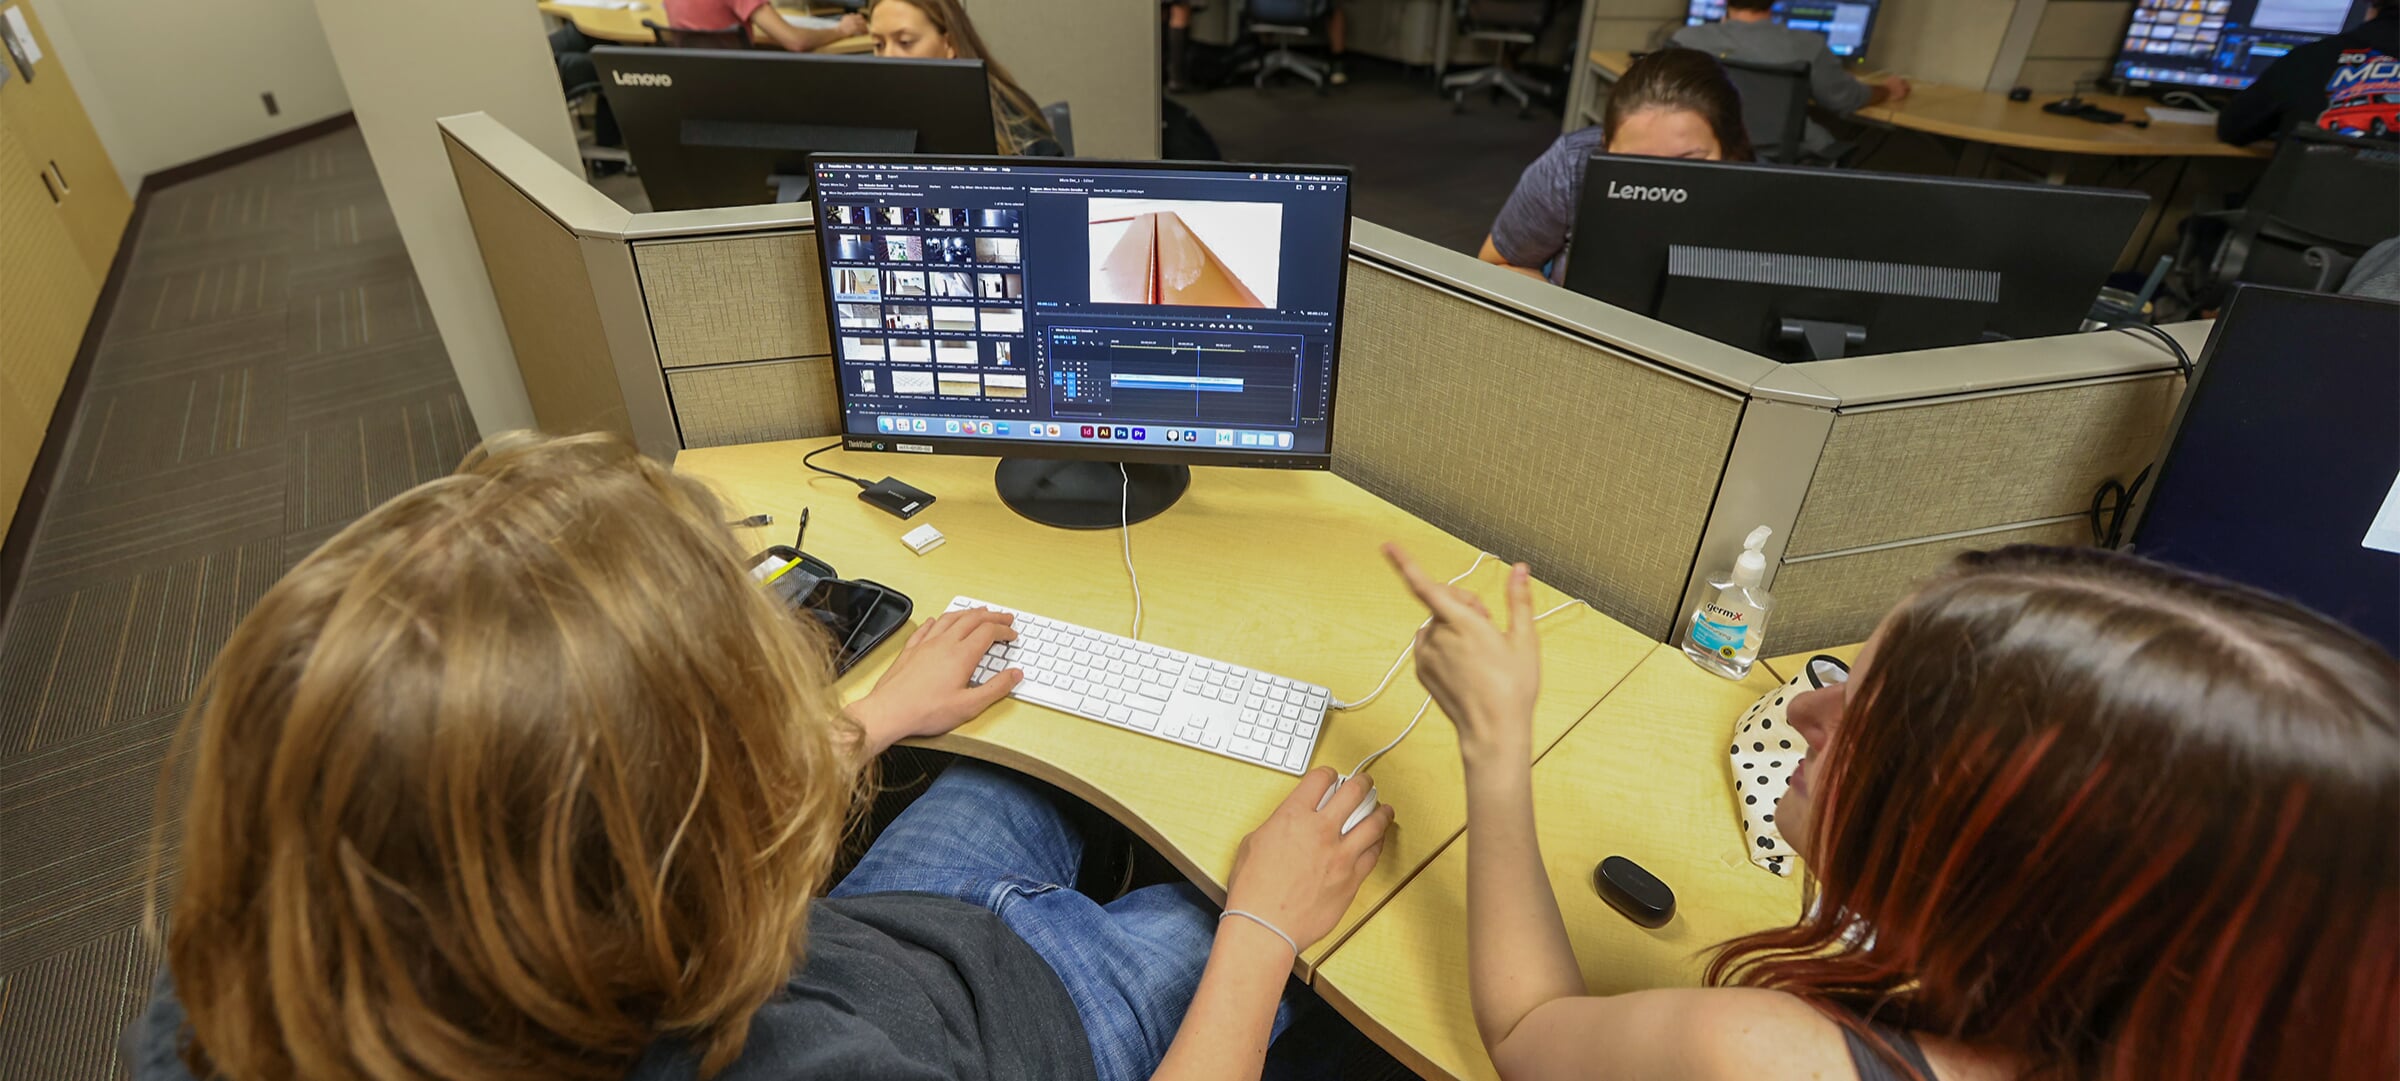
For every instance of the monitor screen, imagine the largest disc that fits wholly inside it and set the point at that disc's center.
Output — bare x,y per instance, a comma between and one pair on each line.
2283,468
1845,23
1060,308
2223,44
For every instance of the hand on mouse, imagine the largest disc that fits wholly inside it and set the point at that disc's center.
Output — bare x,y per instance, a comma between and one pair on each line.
1897,89
852,25
925,692
1298,870
1484,678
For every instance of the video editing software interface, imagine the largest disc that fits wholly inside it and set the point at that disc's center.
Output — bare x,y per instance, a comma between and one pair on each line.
1845,25
1054,301
2224,44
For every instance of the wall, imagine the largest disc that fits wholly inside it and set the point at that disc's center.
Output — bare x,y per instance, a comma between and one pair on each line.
1101,58
167,83
405,66
2075,42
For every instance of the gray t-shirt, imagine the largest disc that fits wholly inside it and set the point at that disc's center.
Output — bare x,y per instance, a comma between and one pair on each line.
897,987
1533,225
1774,43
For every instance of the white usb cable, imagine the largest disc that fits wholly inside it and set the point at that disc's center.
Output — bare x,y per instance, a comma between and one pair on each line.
1125,531
1371,759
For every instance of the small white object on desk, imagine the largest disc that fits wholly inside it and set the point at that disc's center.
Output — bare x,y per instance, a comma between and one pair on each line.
602,5
2162,114
923,539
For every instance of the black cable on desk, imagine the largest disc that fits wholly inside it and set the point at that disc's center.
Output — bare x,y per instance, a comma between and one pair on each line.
809,460
2110,505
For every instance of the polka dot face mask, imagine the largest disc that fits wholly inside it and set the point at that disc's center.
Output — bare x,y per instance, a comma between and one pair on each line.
1764,752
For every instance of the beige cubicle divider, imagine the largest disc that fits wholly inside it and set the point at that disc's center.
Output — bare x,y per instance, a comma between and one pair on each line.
1624,458
1504,410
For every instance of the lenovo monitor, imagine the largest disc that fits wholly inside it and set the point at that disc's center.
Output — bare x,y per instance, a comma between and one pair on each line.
1803,264
717,127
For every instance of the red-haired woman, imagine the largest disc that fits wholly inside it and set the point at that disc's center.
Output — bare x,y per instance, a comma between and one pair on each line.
2074,816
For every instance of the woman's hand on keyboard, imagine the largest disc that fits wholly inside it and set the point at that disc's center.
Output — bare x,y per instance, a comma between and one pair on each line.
1298,870
925,692
1485,678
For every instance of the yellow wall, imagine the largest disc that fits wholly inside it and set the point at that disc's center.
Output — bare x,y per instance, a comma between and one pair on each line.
62,214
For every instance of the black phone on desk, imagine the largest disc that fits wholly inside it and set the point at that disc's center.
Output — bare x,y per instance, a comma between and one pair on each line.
856,614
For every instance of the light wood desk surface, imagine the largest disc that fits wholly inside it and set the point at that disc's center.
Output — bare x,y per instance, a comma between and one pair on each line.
623,26
1981,117
1642,777
1274,569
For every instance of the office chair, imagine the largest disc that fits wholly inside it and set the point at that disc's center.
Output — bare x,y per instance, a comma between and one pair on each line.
1774,106
673,37
2322,202
584,102
1062,124
1510,25
1287,21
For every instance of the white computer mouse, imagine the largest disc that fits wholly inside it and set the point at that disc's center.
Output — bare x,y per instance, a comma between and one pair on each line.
1365,807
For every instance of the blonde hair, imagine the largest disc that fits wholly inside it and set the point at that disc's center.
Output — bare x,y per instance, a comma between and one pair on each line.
1017,123
512,778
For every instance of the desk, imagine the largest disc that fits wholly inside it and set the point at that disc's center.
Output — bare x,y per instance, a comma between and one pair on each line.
624,26
1269,568
1644,776
1984,120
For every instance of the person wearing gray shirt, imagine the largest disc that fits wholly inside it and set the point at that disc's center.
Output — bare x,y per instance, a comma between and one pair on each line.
1750,33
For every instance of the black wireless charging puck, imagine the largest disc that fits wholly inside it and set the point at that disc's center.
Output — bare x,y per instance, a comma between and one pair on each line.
1637,893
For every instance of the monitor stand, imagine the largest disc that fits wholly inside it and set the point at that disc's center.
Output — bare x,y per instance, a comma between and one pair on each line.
1822,339
1089,495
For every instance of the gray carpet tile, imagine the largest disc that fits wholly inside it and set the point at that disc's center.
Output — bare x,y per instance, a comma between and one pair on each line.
267,373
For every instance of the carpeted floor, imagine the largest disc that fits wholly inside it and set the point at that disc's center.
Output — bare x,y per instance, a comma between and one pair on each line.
268,373
1419,168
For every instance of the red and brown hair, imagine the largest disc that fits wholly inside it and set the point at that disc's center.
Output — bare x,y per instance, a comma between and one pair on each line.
2120,820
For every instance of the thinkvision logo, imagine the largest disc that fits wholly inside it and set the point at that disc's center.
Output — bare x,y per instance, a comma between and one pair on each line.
1646,195
642,78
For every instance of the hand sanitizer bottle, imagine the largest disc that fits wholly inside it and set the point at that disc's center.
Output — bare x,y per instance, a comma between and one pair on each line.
1730,624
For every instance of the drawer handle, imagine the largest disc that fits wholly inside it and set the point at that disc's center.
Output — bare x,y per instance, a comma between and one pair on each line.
62,178
49,187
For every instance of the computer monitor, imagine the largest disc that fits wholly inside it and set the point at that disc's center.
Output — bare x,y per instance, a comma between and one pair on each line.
2222,44
2282,466
1846,24
1808,264
717,127
1074,315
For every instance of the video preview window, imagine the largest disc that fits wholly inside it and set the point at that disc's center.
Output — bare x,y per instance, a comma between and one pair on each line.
1215,254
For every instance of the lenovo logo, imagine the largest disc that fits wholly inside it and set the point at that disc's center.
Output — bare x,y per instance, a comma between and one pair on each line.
641,78
1647,195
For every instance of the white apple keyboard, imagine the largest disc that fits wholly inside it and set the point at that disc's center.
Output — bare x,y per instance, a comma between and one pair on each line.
1208,705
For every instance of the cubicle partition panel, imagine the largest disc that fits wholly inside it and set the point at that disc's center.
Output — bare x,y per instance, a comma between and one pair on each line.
1531,442
739,321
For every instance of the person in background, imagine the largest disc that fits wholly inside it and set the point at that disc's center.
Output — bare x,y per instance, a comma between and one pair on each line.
2074,815
2343,83
1673,103
1179,40
761,16
522,776
940,30
1750,33
1337,42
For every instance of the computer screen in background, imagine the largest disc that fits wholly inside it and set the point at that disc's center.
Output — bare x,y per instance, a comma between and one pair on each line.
1065,310
718,127
2282,469
1869,263
2223,44
1846,24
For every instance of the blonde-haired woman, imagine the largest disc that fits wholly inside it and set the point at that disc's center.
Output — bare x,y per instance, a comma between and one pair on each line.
940,30
520,776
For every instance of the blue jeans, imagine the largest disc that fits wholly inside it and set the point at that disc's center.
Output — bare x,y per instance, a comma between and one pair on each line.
989,837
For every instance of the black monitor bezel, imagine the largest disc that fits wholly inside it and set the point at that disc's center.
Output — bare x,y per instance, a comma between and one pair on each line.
1076,450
